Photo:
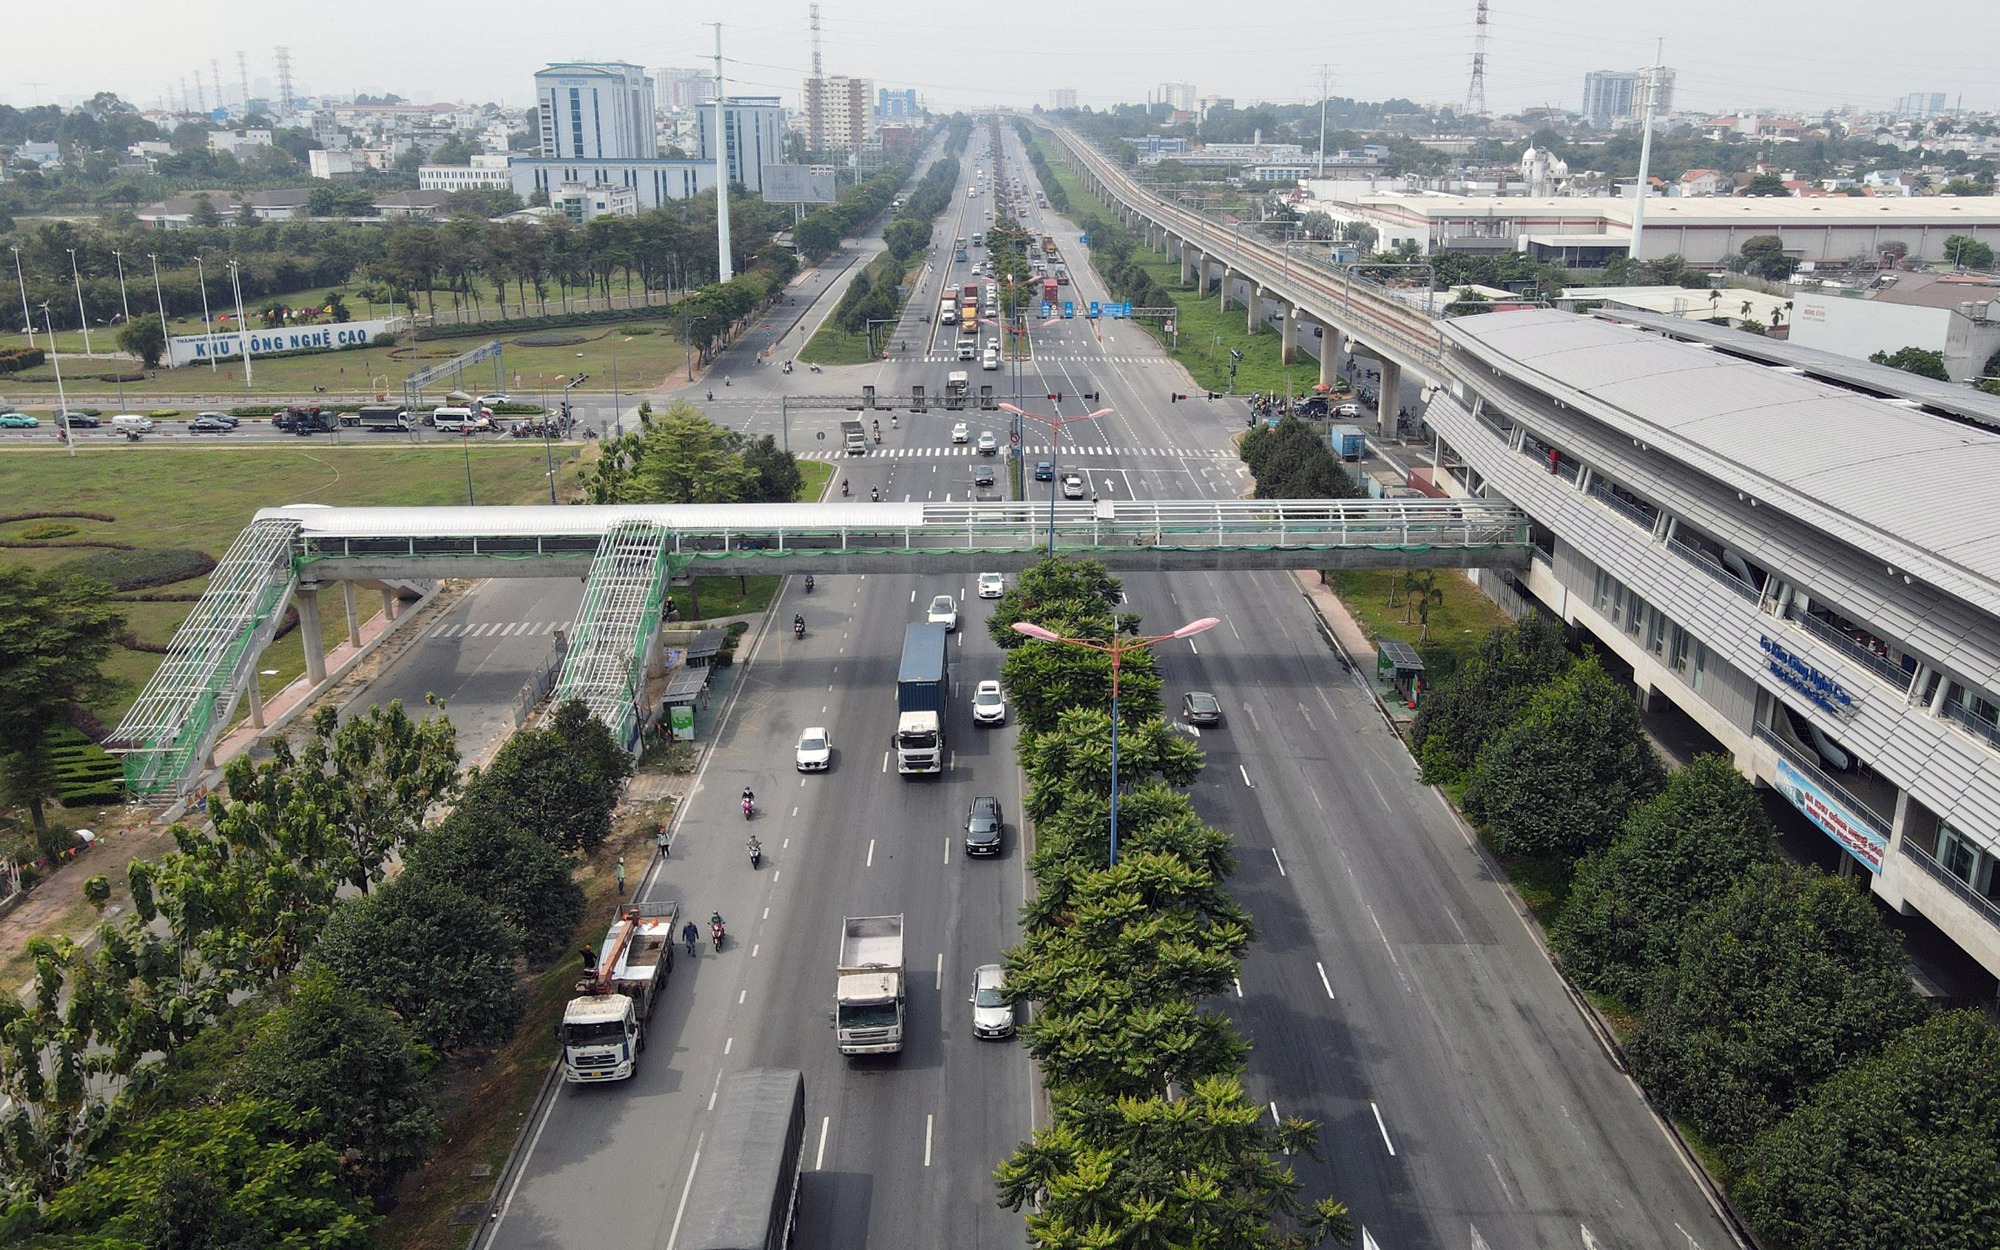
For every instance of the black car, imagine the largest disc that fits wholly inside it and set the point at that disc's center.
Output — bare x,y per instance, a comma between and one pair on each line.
1198,707
983,826
1044,471
223,417
1314,407
78,420
206,424
983,475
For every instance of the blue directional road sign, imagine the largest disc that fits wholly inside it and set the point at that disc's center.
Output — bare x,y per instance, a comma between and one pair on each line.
1121,309
1094,306
1069,309
1047,308
1083,239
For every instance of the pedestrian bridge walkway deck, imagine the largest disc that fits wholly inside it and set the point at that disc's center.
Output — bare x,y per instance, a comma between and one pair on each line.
832,538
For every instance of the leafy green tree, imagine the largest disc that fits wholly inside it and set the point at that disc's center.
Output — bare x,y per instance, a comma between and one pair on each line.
58,631
1764,256
1559,779
375,777
203,216
689,459
1456,720
1678,853
258,1188
440,959
1895,1152
512,868
143,337
774,474
1076,756
560,783
351,1076
1967,252
1784,982
1925,364
1153,819
1767,185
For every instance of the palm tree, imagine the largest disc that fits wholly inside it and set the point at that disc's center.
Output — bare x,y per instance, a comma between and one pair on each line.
1427,594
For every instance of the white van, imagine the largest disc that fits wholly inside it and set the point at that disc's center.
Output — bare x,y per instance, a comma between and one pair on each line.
966,349
132,424
451,420
992,358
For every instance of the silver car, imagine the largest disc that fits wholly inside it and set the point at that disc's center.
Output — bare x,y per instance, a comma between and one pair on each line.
992,1014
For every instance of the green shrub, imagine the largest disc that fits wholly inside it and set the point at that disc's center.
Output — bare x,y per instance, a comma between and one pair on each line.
95,796
48,529
254,410
164,414
148,566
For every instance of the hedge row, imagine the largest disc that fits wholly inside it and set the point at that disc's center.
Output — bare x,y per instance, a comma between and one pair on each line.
15,359
137,570
495,329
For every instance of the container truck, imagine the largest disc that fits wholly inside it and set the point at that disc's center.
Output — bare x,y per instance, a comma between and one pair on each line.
1349,442
745,1191
868,985
604,1026
854,438
948,313
1049,292
920,696
1048,245
957,385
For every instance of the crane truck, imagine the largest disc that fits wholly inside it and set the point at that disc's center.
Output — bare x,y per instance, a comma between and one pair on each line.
604,1026
868,989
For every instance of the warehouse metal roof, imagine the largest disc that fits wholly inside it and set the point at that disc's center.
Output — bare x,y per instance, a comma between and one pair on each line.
1917,490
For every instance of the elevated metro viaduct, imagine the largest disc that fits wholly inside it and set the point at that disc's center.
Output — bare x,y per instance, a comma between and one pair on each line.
627,555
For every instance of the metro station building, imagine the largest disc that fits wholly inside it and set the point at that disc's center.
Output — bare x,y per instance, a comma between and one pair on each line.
1800,553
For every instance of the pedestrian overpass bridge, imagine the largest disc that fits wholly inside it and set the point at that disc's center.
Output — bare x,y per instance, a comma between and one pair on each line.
628,554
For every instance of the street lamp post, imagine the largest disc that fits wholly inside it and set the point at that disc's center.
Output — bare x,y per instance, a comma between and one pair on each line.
242,322
548,448
1116,649
207,342
83,318
1056,424
27,317
55,358
161,301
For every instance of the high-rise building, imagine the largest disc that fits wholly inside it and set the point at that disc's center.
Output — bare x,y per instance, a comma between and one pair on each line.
755,129
1062,98
840,113
596,111
678,90
1612,96
1178,96
1921,104
895,106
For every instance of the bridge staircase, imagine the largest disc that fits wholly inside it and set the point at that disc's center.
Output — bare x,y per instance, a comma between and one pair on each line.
622,597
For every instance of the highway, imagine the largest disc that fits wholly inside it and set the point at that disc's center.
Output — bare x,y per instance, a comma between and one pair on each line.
1393,994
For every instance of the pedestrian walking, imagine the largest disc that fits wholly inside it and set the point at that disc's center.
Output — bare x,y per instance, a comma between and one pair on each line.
690,935
621,876
660,841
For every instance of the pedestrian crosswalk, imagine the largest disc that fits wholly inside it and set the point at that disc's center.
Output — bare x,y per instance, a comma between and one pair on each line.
1031,451
497,629
1040,359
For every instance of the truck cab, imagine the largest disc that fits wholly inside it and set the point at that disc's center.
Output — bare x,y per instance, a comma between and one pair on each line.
604,1027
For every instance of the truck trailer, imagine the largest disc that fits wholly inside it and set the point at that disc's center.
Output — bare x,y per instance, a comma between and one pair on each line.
745,1191
604,1026
868,986
920,699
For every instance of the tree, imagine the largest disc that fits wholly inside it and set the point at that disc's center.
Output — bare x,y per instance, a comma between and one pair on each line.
1768,185
1456,720
1898,1151
1677,854
774,474
440,959
375,777
58,630
144,338
1917,360
351,1076
514,869
1559,779
1785,981
1968,253
1764,256
688,459
560,783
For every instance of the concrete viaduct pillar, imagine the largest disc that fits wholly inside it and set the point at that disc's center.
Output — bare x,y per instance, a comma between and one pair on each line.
1329,351
1225,286
1255,305
1385,401
391,605
353,613
1288,332
1192,265
253,695
307,598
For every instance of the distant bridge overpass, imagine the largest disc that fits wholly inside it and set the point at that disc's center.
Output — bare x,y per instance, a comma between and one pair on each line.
1359,315
627,554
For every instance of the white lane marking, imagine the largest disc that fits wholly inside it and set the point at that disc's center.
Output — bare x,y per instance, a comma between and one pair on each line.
885,761
1279,862
1246,776
740,996
1316,803
775,873
1251,712
871,853
1308,717
795,811
1322,977
913,596
1385,1129
715,1091
1233,629
819,1156
938,984
1193,648
766,915
755,948
1238,983
947,850
686,1187
728,1044
930,1123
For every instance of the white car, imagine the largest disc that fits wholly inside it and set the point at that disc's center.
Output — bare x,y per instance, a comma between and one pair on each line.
1072,486
989,445
815,752
944,611
490,401
992,585
989,706
961,433
992,1014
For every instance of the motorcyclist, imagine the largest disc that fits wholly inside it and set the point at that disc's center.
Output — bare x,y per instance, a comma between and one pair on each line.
843,486
809,583
799,623
875,493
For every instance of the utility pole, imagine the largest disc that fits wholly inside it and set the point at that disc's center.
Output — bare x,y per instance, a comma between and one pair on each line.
1323,89
724,269
1646,151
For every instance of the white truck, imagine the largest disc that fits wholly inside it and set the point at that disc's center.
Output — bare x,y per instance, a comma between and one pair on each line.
854,438
868,989
604,1026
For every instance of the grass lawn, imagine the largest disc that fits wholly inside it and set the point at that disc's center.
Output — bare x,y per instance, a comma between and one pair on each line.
832,345
643,354
200,497
1458,624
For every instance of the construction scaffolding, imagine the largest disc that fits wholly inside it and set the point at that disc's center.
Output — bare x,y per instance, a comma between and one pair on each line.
173,725
615,625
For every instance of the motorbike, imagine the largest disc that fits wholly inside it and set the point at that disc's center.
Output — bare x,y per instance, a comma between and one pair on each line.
749,808
788,366
798,629
715,934
893,424
809,583
843,486
875,494
814,368
756,853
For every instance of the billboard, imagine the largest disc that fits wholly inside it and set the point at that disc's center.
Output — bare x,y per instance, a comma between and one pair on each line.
189,349
1849,832
798,184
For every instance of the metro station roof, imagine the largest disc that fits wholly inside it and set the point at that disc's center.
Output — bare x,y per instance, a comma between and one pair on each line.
1920,491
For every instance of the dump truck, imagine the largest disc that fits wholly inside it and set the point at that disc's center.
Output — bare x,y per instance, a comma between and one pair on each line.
920,698
868,986
604,1026
854,438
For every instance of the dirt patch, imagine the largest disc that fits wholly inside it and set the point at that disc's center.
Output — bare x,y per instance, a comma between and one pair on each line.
56,907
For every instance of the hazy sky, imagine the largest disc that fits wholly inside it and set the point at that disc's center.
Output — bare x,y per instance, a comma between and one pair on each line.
1776,56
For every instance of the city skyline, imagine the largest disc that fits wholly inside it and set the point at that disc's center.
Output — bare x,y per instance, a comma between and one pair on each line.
1538,54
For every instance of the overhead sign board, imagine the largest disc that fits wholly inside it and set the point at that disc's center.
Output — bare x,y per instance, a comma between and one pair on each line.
1833,817
798,184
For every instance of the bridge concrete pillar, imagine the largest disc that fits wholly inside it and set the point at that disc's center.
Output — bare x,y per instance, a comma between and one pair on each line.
1288,331
307,599
1225,286
253,695
391,606
1194,266
1255,305
1329,352
1386,401
347,600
